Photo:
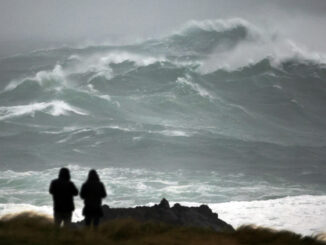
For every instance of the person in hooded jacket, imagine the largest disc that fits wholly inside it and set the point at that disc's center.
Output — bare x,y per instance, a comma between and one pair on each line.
63,192
92,191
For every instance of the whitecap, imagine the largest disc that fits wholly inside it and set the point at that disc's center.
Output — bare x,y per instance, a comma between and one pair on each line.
54,108
176,133
55,77
120,57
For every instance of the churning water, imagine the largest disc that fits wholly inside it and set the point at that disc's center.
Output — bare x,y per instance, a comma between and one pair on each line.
218,112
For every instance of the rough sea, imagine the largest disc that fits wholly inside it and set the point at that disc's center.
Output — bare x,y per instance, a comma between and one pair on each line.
218,112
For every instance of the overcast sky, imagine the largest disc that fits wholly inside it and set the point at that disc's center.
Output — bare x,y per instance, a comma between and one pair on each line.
59,21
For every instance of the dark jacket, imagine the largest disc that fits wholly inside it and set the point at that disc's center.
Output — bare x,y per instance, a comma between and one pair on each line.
92,192
63,190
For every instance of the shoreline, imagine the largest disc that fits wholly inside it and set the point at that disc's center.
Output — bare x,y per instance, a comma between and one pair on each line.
298,219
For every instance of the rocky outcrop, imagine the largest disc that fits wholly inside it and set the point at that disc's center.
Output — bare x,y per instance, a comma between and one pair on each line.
178,215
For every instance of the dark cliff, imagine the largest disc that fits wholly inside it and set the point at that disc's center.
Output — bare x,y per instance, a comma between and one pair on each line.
177,215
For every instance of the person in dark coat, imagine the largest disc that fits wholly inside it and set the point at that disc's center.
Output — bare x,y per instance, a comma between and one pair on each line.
93,191
63,192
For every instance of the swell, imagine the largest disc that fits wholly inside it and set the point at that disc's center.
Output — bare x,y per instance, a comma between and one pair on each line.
164,91
166,96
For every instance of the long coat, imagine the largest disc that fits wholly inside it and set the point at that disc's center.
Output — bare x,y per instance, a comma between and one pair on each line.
63,192
92,192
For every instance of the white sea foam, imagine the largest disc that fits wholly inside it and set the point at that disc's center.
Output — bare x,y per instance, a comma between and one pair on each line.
177,133
194,86
54,108
120,57
302,214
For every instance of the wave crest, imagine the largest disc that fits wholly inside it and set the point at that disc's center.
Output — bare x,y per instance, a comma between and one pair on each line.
54,108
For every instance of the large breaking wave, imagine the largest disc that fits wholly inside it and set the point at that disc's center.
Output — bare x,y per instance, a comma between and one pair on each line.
214,93
240,111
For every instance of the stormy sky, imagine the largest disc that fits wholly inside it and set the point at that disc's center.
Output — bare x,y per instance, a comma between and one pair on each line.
34,23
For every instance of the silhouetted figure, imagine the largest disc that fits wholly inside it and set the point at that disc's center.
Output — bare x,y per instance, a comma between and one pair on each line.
63,192
92,192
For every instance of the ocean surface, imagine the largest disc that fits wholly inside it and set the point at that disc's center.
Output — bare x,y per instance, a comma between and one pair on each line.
218,112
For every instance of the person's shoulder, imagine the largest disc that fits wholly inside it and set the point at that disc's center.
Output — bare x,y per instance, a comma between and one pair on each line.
71,183
54,181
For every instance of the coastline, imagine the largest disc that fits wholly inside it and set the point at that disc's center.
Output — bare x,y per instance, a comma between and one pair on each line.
31,228
289,213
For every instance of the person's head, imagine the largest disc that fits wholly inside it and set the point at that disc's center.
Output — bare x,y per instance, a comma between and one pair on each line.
64,174
93,176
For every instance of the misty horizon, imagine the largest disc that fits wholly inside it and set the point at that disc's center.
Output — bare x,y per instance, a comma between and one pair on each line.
29,25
